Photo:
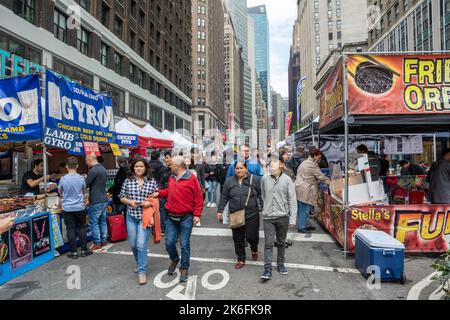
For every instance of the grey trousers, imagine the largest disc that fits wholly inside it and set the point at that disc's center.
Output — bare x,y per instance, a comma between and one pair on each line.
275,233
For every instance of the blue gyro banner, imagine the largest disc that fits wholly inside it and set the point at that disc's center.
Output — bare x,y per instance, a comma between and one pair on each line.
127,140
79,110
63,140
20,109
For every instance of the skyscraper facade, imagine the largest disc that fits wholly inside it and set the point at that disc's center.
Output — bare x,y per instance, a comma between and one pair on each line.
259,16
207,68
238,14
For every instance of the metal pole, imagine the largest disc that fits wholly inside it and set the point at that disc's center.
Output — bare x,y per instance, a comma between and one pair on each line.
44,148
346,133
434,148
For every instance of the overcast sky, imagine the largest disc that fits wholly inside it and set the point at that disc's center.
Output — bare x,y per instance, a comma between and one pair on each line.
282,14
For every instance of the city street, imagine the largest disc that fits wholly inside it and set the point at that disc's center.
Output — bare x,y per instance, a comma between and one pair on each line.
317,270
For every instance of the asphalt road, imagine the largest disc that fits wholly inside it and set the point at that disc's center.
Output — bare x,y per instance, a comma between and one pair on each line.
317,270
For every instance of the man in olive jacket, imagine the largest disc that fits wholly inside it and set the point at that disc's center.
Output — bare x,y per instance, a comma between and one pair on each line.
280,211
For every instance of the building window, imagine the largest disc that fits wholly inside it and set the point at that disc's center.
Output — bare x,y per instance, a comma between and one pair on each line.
137,107
316,5
105,15
330,15
330,25
104,54
422,21
405,5
117,63
179,123
339,35
59,25
132,73
169,121
317,38
133,9
338,24
142,19
118,97
83,41
156,117
132,40
445,24
25,9
338,13
118,26
83,4
73,72
317,28
141,48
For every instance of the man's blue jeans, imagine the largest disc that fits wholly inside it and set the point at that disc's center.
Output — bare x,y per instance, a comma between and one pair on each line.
97,222
138,239
183,230
163,213
302,215
212,191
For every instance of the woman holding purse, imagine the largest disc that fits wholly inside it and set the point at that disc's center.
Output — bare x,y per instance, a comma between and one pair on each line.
242,192
136,191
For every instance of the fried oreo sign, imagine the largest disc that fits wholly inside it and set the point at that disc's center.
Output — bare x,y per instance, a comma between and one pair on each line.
77,109
398,84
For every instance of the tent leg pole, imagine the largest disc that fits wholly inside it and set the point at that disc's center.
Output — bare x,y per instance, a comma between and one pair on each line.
346,133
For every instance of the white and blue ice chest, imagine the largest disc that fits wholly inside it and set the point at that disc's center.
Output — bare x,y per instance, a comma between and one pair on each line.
377,248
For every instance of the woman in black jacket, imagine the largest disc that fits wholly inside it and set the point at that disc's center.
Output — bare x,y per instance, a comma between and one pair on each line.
235,192
212,172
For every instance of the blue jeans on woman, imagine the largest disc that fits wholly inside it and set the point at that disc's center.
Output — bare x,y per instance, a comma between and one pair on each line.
138,239
97,222
302,215
183,230
212,190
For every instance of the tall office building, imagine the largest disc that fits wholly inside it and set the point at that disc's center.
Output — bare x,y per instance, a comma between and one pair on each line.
325,25
207,69
277,111
238,13
294,75
262,120
233,78
262,63
414,25
253,137
140,51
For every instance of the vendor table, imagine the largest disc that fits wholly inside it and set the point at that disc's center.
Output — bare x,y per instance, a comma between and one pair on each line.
422,228
26,246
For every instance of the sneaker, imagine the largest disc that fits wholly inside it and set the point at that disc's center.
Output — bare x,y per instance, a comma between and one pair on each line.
208,205
85,253
239,265
311,228
163,233
304,231
104,243
184,276
172,267
282,269
142,279
95,247
73,255
255,256
213,205
199,224
267,275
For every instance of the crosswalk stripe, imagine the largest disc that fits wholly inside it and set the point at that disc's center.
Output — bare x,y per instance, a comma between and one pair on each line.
297,237
253,263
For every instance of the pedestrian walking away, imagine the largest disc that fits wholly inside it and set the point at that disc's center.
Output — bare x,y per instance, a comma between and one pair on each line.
119,179
279,212
212,172
184,207
307,189
235,192
135,194
72,187
98,201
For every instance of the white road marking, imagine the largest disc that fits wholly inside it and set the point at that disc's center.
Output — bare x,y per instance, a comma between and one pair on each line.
414,293
297,237
253,263
220,285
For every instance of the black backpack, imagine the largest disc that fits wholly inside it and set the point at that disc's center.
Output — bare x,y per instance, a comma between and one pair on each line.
294,163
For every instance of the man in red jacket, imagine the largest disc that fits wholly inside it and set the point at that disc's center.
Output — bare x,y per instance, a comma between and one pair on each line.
184,206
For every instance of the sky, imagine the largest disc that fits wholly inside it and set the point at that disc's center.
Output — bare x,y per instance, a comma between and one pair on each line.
282,14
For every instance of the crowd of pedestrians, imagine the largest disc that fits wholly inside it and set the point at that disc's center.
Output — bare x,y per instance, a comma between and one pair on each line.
280,192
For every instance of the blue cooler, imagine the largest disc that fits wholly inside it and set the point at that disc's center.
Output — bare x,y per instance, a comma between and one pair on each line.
377,248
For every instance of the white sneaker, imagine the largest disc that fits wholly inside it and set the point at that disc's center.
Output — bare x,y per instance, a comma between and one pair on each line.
199,224
213,205
209,205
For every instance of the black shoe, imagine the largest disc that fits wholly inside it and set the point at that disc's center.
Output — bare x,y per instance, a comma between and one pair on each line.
172,267
73,255
305,231
85,253
288,244
311,228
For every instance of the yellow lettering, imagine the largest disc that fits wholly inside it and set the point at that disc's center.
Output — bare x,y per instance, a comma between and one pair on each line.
426,72
404,226
417,93
426,233
432,99
410,69
355,214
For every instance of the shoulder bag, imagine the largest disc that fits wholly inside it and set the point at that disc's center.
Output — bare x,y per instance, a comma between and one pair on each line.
237,219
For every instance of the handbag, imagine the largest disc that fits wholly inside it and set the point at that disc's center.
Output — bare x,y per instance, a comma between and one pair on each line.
237,219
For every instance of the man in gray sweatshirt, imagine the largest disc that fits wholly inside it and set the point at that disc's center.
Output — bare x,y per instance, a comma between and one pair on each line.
280,211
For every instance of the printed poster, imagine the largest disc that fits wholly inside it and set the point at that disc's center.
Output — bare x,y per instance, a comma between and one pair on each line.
41,236
4,248
20,244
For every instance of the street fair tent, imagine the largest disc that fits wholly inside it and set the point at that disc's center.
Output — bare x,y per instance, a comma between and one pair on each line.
388,94
146,138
